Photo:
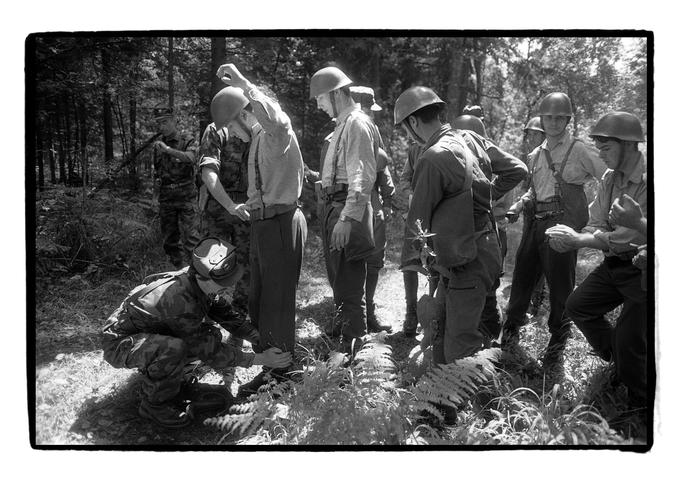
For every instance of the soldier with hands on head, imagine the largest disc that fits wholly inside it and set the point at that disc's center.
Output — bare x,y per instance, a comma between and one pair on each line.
174,158
347,180
162,326
561,166
617,281
278,227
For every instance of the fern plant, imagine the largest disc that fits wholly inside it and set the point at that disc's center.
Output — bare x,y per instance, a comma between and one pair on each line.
450,385
333,404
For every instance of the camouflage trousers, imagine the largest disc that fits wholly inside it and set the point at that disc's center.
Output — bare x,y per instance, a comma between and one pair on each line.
179,221
161,358
216,221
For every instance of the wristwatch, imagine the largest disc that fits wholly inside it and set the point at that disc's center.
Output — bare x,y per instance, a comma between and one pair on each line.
343,219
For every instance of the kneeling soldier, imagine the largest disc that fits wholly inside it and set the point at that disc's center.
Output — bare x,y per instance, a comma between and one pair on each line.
160,329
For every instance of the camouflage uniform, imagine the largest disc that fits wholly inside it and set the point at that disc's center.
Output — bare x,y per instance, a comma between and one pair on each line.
177,199
229,157
160,327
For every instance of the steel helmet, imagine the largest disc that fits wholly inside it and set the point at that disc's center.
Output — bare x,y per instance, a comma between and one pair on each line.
413,99
226,105
534,124
470,123
475,110
620,125
364,96
213,258
327,80
556,103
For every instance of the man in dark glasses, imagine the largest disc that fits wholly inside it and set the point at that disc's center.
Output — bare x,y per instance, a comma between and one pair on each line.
171,320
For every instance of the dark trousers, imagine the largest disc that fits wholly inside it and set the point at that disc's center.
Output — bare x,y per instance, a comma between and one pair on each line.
179,221
535,256
466,291
490,325
276,251
347,278
611,284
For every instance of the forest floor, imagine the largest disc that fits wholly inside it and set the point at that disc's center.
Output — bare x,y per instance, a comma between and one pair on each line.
81,400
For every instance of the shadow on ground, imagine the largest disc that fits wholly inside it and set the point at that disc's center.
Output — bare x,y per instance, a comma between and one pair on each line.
113,420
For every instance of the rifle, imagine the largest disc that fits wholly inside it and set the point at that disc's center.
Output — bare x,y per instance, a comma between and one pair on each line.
126,162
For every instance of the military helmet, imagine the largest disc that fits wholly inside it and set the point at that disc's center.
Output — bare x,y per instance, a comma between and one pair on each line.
364,96
327,80
214,259
470,123
555,103
534,124
413,99
620,125
475,110
226,105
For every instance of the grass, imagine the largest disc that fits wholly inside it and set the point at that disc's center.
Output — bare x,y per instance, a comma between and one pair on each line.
80,399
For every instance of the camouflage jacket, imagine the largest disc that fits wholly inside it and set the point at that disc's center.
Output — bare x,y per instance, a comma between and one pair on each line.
170,305
228,156
176,174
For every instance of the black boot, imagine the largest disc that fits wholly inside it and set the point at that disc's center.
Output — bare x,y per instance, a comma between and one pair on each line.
411,320
553,357
373,323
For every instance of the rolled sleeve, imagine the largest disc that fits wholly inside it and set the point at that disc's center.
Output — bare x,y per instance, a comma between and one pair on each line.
275,123
209,152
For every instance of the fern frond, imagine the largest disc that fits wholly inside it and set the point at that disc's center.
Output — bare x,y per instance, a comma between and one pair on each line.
452,384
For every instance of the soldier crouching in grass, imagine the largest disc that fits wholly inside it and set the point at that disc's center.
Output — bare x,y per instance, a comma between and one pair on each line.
160,328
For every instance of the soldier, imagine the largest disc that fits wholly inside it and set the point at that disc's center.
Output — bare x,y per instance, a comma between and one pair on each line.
560,168
505,172
347,179
223,160
174,181
616,281
410,327
534,135
452,199
160,328
278,227
381,201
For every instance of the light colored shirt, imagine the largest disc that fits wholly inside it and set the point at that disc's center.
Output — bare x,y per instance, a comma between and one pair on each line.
614,185
274,147
583,164
351,159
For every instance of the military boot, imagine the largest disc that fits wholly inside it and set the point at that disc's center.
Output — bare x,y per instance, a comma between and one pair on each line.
205,397
167,414
411,320
373,322
261,379
514,354
553,358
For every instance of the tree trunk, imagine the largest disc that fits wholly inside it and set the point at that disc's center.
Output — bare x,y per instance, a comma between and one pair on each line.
40,156
212,85
82,118
50,150
107,111
60,140
67,137
133,131
171,77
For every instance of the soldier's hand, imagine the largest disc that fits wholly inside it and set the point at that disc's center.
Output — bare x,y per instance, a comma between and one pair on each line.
240,211
161,146
626,212
229,74
340,236
273,358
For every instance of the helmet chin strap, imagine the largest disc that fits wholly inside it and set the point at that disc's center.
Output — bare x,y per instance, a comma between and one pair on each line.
334,106
412,132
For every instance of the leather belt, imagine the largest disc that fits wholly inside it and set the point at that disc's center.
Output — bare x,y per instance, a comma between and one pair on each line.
270,211
336,192
548,206
177,185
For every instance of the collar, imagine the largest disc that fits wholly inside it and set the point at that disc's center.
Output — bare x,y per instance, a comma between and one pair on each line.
342,116
634,175
564,139
438,134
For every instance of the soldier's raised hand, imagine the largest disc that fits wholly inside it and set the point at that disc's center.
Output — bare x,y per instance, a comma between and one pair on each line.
230,75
